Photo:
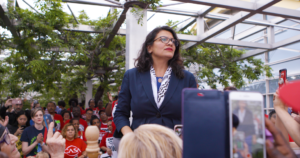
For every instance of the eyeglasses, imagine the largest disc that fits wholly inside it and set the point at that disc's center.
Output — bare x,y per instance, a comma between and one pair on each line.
166,40
5,137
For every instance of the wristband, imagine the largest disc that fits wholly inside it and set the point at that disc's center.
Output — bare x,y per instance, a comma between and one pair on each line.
42,144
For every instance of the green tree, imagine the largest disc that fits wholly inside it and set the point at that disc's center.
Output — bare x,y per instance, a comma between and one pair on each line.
222,59
41,58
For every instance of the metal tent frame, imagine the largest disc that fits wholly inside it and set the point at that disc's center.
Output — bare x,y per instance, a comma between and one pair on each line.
244,10
242,13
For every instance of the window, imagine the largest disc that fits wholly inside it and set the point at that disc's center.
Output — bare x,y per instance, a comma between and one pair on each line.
282,53
271,101
256,87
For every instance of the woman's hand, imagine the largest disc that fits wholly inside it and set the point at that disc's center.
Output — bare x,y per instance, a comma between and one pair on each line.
82,156
281,148
40,138
8,102
278,104
297,118
109,152
126,129
4,122
19,131
56,143
109,97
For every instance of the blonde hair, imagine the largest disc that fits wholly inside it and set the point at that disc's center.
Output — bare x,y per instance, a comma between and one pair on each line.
42,154
151,141
64,130
35,110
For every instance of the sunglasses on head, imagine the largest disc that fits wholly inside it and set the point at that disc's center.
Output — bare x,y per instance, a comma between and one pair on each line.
5,137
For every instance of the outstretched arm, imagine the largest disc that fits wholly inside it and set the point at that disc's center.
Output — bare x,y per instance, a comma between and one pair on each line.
286,121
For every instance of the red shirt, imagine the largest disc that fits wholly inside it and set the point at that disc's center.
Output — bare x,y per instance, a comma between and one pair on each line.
59,121
95,109
101,134
74,148
81,111
112,107
104,127
106,136
81,135
82,124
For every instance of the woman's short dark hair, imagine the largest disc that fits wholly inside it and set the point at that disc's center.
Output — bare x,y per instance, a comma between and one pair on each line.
93,118
90,101
18,114
144,61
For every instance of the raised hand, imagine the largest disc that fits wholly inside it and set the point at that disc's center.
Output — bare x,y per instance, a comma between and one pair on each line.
5,121
109,97
56,143
279,149
8,102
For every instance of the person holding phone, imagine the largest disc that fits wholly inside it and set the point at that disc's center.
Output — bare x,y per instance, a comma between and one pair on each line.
55,142
17,105
18,128
33,136
152,90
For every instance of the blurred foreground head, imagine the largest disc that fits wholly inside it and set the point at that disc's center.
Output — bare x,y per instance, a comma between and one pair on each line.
151,140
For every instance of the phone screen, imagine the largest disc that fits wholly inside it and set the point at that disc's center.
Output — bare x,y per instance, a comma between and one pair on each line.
282,77
47,119
247,128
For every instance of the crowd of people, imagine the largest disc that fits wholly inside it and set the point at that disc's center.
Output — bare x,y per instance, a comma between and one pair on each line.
30,127
152,93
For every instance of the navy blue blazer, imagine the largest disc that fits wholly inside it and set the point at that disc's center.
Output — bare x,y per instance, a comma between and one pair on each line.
136,95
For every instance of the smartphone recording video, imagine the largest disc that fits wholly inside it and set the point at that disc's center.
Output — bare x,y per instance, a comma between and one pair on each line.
282,77
247,127
47,120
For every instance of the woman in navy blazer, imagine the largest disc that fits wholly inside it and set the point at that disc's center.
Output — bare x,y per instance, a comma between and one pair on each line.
152,90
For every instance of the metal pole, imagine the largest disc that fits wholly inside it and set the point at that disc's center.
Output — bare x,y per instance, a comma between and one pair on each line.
135,36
